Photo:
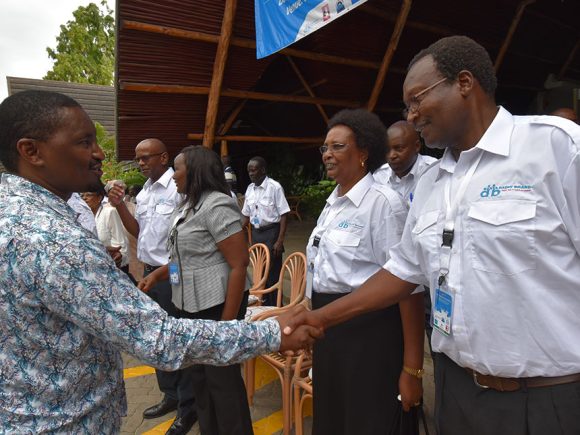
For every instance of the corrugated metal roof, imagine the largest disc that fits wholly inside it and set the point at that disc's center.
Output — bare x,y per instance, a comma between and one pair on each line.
97,100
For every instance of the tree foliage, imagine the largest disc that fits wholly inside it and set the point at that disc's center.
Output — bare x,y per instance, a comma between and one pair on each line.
113,169
85,51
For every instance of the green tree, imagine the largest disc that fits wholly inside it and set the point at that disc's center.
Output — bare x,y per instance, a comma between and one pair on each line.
113,169
85,51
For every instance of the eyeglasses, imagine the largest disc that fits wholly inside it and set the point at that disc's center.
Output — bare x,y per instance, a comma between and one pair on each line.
334,148
415,102
146,157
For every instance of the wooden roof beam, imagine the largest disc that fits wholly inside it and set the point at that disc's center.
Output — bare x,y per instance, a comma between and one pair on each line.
247,43
571,57
307,88
388,57
512,30
277,139
251,95
219,67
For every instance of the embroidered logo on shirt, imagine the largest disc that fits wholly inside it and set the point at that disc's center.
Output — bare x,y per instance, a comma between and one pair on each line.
494,190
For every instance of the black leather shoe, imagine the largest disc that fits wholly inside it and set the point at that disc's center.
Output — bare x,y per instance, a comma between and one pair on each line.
162,408
182,425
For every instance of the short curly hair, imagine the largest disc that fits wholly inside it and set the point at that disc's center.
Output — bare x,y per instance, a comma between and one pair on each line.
369,131
29,114
456,53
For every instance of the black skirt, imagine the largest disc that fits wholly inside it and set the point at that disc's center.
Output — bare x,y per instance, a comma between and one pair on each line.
356,369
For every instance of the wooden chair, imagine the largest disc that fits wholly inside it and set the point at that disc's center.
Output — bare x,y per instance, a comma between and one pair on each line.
302,386
295,268
293,203
260,262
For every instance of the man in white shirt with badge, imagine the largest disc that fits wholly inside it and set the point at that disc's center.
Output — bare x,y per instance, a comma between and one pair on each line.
404,164
494,230
266,210
150,226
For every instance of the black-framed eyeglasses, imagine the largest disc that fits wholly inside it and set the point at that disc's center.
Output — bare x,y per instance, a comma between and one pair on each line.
415,101
334,148
146,157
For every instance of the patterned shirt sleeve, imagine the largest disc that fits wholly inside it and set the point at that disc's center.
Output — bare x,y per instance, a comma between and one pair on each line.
84,286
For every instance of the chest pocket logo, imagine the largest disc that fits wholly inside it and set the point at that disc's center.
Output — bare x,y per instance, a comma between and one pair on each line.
502,236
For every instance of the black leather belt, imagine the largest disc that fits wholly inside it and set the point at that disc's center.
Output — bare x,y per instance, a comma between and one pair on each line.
148,268
265,227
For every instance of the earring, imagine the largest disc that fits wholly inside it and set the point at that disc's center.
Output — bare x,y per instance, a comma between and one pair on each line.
362,163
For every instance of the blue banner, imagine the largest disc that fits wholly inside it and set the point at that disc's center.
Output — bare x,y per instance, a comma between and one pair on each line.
280,23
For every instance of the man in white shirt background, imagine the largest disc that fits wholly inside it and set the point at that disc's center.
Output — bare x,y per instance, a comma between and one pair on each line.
494,230
150,226
266,210
401,172
404,164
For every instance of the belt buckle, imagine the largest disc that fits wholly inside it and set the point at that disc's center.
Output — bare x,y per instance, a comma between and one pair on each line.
485,387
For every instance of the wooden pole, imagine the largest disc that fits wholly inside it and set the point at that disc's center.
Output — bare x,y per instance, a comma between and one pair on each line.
219,67
569,60
278,139
224,148
246,43
391,48
307,87
232,118
511,32
251,95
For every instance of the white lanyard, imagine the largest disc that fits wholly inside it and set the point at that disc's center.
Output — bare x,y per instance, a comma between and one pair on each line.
450,215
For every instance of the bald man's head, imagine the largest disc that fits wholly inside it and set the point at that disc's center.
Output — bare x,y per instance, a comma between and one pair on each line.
403,147
151,156
567,113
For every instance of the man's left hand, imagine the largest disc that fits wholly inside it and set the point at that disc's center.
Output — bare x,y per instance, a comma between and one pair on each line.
278,248
411,389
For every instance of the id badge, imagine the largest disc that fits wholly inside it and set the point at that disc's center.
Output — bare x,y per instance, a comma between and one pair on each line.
256,222
309,279
174,273
443,311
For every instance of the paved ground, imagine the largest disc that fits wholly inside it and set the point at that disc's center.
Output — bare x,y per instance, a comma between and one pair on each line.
142,390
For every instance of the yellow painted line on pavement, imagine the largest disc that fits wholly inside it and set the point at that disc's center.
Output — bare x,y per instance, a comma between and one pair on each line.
267,425
133,372
160,429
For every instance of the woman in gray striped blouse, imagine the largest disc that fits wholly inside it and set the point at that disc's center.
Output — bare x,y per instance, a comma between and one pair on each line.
207,270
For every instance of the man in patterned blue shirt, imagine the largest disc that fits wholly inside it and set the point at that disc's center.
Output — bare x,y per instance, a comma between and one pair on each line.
65,308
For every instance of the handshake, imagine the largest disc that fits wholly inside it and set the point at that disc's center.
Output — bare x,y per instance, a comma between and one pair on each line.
299,328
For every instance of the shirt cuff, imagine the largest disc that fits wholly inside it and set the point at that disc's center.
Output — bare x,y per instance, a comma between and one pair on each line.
274,335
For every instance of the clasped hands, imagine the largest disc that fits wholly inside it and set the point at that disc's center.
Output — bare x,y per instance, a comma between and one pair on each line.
300,328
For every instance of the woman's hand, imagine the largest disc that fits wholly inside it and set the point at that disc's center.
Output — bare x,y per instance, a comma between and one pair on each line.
411,389
147,283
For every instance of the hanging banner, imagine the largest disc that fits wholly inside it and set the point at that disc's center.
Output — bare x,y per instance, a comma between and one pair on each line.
280,23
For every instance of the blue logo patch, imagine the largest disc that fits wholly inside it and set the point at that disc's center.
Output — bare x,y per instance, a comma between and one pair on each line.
343,224
493,190
490,190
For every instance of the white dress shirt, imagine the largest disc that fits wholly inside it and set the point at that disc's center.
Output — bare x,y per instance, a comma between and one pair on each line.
85,216
111,231
155,203
404,186
515,264
356,231
265,202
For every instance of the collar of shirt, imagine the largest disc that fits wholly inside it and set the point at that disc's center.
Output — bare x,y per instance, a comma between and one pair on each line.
356,193
496,140
164,180
263,185
19,186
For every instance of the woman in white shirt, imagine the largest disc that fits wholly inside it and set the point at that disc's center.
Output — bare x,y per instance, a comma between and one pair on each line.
110,229
361,366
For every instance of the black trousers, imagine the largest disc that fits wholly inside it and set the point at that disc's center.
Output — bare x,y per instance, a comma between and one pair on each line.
221,400
268,237
177,385
461,407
